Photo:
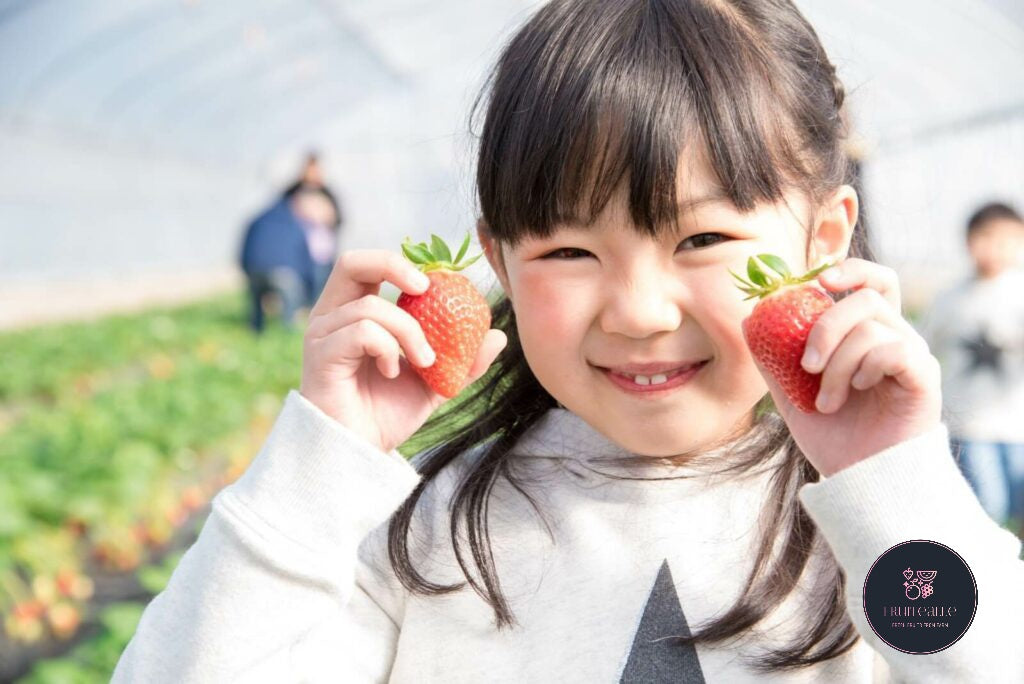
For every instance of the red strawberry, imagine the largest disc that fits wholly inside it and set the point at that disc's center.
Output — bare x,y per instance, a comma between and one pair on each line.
453,314
777,329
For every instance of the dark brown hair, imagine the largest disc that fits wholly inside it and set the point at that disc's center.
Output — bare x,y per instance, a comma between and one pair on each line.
993,211
590,94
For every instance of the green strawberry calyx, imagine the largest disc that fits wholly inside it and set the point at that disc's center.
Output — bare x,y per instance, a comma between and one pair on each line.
436,256
771,278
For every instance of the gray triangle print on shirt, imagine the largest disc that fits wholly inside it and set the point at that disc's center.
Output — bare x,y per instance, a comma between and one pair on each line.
653,658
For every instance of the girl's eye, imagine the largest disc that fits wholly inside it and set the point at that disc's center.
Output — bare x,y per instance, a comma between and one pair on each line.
696,241
564,250
704,239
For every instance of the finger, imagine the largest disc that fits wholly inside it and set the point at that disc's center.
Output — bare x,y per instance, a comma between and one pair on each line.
838,320
847,359
354,343
857,274
398,322
360,272
494,341
907,362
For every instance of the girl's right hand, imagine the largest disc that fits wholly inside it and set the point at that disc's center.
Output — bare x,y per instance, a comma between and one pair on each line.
384,401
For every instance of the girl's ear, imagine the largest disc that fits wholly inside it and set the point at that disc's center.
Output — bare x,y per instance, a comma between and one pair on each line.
830,239
492,250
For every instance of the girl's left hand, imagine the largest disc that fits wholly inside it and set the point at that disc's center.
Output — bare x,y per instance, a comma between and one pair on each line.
880,384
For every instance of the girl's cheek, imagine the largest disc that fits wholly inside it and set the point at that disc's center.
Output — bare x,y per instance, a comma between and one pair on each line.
531,282
542,301
726,319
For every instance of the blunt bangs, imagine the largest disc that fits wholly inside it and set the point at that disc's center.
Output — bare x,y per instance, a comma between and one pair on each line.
609,92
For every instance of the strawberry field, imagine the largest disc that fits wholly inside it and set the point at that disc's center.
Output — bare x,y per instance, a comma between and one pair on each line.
114,436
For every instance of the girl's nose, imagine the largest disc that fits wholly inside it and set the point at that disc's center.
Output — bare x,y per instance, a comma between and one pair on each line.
641,307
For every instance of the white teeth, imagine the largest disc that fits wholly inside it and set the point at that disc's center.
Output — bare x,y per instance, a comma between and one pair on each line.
648,380
655,379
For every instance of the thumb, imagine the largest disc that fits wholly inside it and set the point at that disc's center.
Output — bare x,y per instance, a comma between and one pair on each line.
494,341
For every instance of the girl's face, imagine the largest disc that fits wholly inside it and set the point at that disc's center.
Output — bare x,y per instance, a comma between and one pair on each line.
592,298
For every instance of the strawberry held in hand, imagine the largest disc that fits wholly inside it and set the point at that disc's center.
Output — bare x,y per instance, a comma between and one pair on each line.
453,314
777,329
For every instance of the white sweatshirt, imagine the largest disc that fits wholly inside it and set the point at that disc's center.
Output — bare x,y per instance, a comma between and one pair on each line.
289,579
976,331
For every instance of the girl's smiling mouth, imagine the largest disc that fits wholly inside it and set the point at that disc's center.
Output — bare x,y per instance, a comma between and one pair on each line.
655,384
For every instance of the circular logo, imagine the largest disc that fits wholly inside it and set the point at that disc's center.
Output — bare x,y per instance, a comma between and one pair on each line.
920,597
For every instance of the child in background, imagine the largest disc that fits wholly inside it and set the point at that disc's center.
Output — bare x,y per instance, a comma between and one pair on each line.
317,215
575,523
976,330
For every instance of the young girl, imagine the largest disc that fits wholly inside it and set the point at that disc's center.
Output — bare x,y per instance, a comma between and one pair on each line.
588,525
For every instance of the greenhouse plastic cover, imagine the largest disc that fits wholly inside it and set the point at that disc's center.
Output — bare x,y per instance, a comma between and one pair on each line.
141,134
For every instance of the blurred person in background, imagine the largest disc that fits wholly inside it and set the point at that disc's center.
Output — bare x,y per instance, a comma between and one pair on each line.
312,176
317,216
976,330
276,260
323,244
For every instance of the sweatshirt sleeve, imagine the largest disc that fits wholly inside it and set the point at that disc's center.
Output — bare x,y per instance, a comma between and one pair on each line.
270,588
915,490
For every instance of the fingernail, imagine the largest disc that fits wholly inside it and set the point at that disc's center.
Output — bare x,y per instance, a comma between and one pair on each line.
810,360
427,354
422,280
823,402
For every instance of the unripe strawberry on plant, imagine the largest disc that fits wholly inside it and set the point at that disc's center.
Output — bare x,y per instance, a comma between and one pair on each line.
25,622
66,578
72,584
44,588
452,312
29,609
64,619
777,329
193,498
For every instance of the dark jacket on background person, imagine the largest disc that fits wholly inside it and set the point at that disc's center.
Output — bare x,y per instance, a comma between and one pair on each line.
275,240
